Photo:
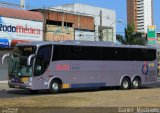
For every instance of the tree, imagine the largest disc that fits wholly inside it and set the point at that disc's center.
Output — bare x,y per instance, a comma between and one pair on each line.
131,37
120,38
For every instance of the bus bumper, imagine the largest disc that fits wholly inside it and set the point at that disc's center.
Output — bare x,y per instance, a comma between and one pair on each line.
19,85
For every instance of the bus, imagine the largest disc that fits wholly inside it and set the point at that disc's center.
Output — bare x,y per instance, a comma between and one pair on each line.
55,66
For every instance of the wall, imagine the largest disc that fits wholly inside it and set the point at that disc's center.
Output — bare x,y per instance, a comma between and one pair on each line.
58,33
61,25
78,21
108,16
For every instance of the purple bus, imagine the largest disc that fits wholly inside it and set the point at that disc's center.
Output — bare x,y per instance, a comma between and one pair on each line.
80,64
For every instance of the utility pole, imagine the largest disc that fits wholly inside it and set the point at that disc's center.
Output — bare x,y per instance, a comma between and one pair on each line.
100,27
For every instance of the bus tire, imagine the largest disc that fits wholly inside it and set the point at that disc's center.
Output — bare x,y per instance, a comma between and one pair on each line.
55,86
136,83
126,83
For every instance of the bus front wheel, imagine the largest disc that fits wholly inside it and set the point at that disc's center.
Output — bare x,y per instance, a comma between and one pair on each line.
55,86
125,84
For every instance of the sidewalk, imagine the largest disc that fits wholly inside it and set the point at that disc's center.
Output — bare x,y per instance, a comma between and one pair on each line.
4,82
3,85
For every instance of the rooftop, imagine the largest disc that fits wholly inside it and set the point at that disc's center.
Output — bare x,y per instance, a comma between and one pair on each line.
21,14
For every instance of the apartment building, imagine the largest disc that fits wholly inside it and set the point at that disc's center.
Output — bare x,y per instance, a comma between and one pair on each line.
140,13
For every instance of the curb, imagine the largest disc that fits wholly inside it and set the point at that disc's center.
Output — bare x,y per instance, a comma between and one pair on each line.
3,82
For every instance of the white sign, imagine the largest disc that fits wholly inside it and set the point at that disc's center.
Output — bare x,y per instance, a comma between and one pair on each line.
11,28
84,35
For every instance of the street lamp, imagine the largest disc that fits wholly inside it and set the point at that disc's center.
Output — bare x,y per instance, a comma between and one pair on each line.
111,28
119,21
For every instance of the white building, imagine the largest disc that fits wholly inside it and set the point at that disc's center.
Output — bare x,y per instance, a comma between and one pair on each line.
148,19
108,19
140,13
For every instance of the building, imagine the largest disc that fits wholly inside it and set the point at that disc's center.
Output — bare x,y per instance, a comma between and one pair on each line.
140,14
104,21
63,25
19,26
158,37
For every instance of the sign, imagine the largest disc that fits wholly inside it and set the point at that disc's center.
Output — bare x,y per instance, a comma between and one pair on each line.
158,38
151,33
18,29
58,33
84,35
4,43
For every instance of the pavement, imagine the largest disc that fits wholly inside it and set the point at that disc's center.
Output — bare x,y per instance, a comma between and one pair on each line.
4,85
4,82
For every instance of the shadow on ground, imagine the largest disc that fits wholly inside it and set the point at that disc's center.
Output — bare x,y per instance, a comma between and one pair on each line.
12,93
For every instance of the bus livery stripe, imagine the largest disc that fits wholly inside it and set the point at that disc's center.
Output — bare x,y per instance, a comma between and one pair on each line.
64,86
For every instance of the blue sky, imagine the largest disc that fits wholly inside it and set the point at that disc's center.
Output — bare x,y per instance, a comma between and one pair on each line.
118,5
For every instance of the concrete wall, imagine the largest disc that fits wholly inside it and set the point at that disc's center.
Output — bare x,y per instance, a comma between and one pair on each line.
78,21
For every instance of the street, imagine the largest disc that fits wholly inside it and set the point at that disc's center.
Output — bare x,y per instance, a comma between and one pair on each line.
6,92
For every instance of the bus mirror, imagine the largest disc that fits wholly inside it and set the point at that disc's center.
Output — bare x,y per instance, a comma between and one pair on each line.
4,56
29,59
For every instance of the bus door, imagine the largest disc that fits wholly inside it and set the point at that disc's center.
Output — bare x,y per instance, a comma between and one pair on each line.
42,62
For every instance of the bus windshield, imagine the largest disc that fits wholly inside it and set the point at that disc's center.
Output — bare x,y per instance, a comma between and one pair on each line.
18,61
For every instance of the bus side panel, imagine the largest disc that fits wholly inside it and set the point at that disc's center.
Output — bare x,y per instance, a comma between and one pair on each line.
99,73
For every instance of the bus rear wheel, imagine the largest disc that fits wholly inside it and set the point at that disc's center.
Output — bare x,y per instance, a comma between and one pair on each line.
136,83
55,86
125,84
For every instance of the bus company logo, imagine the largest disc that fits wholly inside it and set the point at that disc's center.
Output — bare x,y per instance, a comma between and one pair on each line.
145,69
62,67
19,29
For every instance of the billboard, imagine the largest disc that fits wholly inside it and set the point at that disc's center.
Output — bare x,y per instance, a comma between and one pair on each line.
151,35
18,29
84,35
58,33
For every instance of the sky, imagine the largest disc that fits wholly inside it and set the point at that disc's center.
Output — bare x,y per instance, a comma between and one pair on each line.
118,5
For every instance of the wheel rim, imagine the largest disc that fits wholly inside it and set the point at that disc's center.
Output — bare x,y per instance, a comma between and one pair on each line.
55,86
135,84
125,84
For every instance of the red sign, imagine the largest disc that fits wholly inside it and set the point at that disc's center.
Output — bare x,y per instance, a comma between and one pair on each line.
62,67
14,42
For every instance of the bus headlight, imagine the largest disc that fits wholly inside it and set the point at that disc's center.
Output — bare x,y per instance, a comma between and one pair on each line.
30,84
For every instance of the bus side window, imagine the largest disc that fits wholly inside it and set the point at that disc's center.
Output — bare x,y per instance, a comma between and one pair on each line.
61,52
77,53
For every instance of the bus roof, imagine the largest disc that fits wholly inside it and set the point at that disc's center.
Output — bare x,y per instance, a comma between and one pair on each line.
82,43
